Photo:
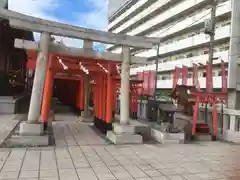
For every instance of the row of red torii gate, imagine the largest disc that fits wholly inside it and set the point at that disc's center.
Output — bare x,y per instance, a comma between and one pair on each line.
76,79
73,79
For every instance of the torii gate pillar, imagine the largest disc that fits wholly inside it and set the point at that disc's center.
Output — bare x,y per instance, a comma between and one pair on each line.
124,132
32,126
124,89
87,44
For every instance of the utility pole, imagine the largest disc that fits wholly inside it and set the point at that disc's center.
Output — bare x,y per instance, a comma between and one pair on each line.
210,30
155,92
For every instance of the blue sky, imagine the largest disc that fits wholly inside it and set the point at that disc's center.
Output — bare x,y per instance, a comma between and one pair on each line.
86,13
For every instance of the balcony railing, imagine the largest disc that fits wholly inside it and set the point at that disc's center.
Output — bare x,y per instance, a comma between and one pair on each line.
170,65
222,32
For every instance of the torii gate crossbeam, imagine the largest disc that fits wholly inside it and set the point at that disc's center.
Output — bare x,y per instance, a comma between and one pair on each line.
21,21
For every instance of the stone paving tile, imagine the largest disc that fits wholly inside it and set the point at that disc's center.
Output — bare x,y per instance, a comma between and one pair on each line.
9,175
8,123
73,132
48,178
29,174
94,159
48,173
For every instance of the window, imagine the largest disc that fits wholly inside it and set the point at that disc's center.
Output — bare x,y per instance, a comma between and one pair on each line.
217,26
191,35
204,74
226,23
190,75
224,48
205,52
219,73
189,55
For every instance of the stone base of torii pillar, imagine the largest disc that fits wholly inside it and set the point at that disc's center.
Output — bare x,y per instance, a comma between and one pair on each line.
123,132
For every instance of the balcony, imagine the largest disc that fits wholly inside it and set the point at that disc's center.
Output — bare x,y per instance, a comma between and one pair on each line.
193,20
170,66
141,15
196,40
188,22
127,13
167,84
181,7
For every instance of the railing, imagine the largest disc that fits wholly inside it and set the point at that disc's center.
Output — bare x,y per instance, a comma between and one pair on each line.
228,119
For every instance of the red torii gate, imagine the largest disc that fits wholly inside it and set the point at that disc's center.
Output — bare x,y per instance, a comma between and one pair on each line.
103,73
207,97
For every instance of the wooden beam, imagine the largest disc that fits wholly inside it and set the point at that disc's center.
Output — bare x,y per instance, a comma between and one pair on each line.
21,21
77,52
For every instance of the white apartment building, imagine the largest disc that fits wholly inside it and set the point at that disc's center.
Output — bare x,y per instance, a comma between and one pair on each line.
180,24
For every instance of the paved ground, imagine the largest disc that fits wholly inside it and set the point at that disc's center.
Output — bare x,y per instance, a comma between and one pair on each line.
81,154
74,132
7,124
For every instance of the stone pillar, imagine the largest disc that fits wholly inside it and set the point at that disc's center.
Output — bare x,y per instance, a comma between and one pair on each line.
39,78
86,94
234,69
233,65
33,127
124,133
124,90
87,45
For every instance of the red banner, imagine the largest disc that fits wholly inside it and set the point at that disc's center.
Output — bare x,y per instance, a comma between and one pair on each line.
151,83
140,85
209,78
176,75
145,83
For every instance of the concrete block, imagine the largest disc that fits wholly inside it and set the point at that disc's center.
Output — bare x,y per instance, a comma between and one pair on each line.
167,138
28,129
119,129
231,136
125,138
16,141
158,135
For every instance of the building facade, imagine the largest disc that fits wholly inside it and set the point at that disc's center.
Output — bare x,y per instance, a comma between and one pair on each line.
180,25
114,6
